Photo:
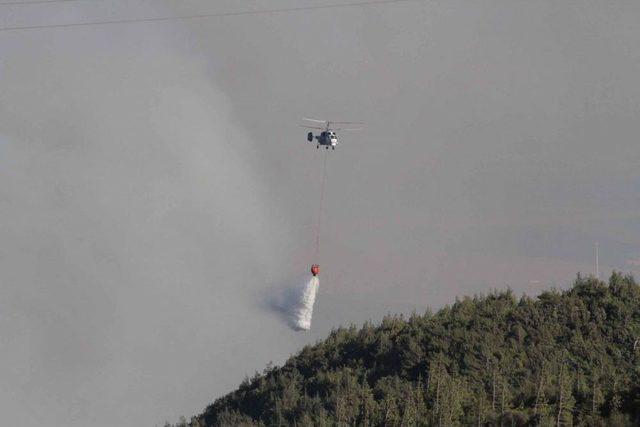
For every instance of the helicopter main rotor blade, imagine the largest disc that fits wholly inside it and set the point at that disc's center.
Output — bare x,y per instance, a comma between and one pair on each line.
312,127
315,120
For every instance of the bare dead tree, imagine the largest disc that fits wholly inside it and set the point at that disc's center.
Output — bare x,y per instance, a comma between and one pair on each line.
561,396
502,403
539,389
493,393
480,398
436,409
593,396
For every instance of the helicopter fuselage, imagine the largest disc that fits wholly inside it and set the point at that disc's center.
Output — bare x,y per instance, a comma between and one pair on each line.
325,138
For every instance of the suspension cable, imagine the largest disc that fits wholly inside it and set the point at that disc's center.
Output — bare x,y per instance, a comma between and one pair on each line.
321,206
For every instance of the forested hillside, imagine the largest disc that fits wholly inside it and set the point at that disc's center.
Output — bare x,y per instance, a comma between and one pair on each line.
564,358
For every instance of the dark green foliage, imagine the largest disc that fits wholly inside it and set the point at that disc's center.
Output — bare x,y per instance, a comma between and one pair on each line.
565,358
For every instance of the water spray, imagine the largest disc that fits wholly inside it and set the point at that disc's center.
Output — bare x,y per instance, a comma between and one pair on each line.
304,311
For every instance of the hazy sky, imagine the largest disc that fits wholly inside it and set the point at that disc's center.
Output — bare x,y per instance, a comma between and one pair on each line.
158,197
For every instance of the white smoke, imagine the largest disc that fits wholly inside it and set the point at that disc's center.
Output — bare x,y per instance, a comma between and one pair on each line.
304,310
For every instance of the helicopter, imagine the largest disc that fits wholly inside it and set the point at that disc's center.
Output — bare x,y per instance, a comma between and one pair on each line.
327,137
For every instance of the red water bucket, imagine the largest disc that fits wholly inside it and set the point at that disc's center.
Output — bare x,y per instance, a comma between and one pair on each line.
315,269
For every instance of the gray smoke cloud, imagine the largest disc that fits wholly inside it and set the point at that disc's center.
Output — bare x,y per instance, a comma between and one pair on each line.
156,191
134,222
